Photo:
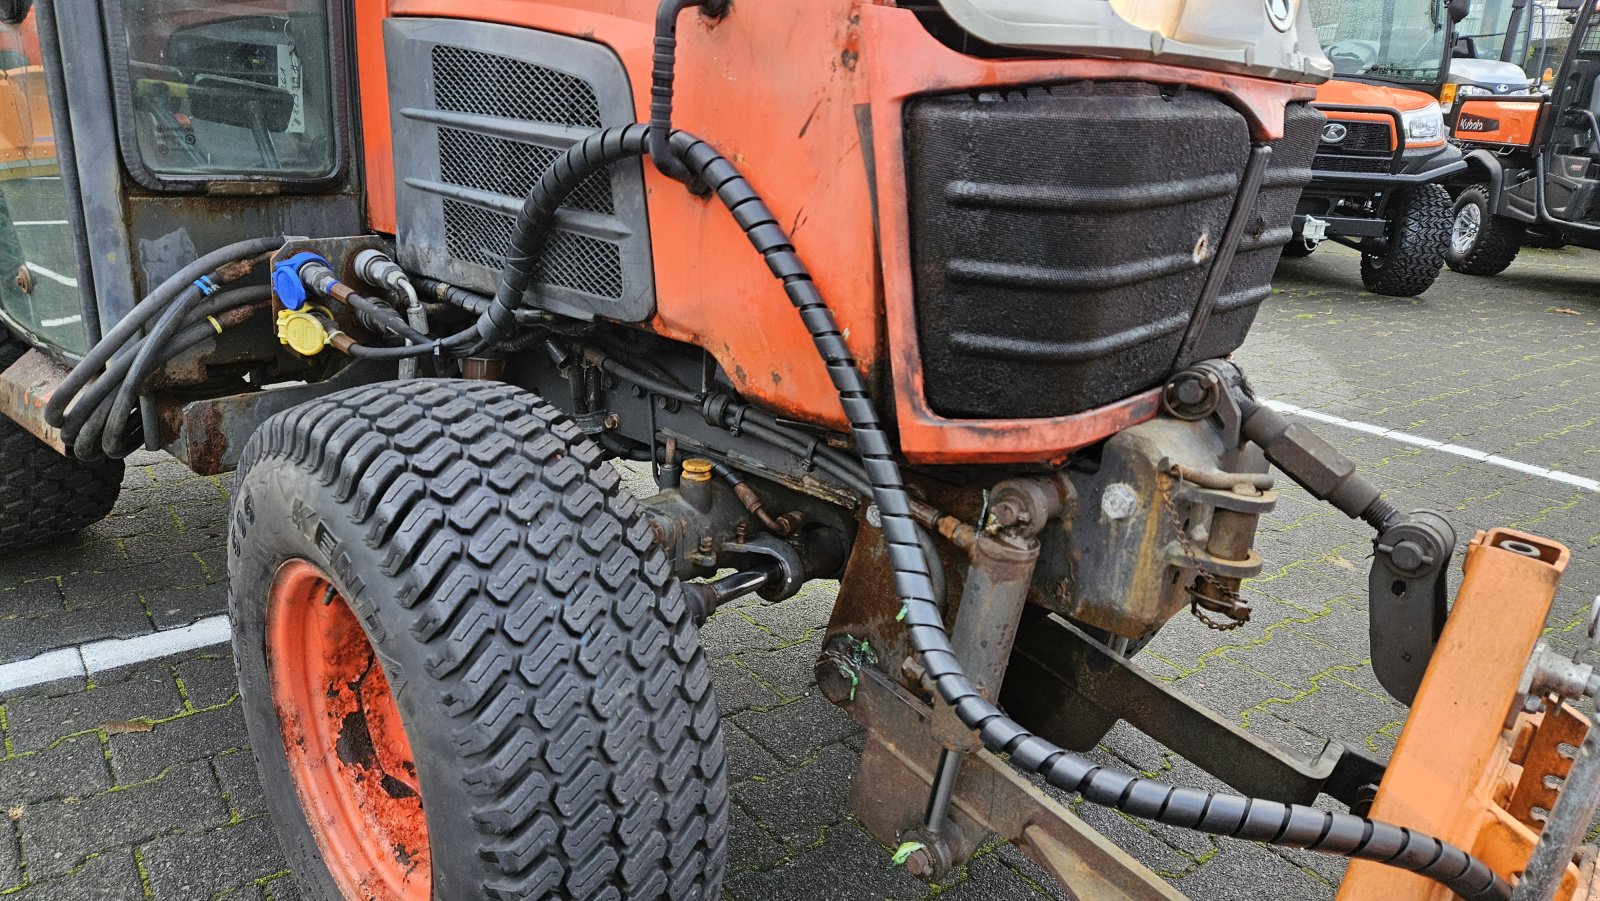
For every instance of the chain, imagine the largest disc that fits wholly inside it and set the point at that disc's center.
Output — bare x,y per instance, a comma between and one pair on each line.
1234,607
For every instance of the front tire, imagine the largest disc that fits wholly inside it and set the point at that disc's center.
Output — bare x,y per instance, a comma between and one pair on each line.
1419,235
549,729
1481,243
45,496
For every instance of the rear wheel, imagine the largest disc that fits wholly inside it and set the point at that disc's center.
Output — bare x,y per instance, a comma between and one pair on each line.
44,495
1419,234
465,668
1481,243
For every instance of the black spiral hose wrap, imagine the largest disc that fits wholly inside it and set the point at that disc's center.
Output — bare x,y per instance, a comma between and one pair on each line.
1251,819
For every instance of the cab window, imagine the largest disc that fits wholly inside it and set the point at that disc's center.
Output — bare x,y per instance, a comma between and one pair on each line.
233,89
38,258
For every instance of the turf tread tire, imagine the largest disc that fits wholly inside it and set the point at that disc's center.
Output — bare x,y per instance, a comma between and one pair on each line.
1499,239
545,662
1419,236
44,495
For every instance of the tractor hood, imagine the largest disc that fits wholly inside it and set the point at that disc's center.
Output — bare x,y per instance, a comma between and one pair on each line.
1266,38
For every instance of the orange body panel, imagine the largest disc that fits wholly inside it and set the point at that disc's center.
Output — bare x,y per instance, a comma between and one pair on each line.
805,99
372,90
1493,120
1456,767
1356,93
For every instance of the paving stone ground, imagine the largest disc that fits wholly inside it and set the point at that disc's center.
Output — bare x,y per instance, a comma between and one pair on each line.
101,811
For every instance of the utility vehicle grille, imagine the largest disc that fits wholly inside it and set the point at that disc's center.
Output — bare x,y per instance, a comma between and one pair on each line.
1366,147
479,112
1060,238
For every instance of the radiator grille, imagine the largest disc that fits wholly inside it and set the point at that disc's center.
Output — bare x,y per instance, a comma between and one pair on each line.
480,236
1061,235
469,81
481,111
1366,147
510,168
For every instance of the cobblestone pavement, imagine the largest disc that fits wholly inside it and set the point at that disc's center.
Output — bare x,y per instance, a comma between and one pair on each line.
170,808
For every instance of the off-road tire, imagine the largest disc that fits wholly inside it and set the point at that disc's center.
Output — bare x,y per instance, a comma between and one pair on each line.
546,668
1497,241
43,495
1419,235
1299,248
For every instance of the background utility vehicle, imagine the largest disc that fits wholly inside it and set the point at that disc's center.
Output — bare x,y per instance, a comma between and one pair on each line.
1375,183
1534,161
935,298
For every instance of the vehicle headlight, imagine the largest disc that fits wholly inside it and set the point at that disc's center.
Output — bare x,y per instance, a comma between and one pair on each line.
1471,90
1423,125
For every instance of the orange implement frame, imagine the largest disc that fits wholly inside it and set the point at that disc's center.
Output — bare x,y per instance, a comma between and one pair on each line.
1458,767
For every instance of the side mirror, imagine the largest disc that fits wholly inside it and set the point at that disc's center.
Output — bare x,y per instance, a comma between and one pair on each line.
1458,9
12,12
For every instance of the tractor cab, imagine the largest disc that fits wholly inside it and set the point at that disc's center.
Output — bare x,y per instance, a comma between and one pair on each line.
1375,178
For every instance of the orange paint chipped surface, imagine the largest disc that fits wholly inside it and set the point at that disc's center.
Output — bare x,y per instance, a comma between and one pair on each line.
345,743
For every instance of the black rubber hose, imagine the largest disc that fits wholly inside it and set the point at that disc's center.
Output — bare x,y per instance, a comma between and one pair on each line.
115,441
129,326
662,75
93,396
1252,819
87,421
1221,814
382,317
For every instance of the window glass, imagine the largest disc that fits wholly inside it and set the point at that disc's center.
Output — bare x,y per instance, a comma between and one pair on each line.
233,88
1396,40
38,258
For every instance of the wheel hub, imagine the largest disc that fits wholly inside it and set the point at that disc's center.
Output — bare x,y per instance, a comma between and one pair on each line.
345,743
1464,231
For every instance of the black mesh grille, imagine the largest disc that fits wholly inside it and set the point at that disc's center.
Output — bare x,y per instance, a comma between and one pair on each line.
1366,147
510,168
1060,238
469,81
480,236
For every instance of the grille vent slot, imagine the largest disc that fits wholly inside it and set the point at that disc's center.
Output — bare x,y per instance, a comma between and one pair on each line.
480,111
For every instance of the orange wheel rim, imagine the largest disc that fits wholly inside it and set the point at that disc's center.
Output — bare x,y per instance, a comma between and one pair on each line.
346,746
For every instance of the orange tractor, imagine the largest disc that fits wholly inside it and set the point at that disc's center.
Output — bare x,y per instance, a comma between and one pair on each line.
933,298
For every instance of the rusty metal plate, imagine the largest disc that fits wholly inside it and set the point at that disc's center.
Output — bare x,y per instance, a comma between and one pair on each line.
1562,726
24,390
989,795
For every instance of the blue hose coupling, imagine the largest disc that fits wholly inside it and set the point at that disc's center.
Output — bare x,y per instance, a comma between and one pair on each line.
286,281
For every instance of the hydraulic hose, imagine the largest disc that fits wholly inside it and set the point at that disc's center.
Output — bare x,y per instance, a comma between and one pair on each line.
84,428
178,285
664,72
115,440
1220,814
196,329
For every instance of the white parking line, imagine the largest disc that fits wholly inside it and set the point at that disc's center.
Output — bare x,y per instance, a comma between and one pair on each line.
53,275
1554,475
101,656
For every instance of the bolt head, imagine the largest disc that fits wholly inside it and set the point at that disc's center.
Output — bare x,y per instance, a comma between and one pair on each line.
1190,391
1409,555
920,863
